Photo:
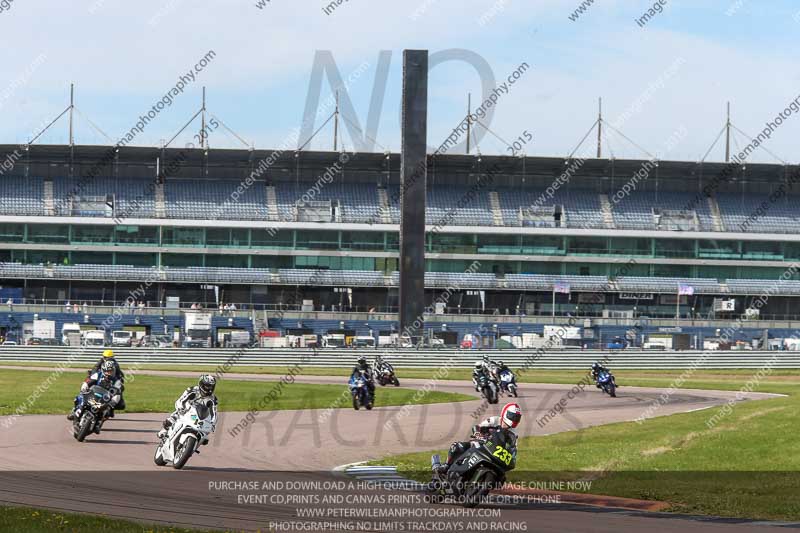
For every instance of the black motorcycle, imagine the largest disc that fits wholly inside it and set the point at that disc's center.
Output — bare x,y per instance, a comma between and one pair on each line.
386,376
95,408
470,479
488,388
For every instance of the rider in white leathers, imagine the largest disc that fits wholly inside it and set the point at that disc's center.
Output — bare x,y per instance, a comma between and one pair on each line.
203,390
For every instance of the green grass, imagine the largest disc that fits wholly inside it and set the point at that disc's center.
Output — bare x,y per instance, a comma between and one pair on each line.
644,377
26,520
157,394
747,465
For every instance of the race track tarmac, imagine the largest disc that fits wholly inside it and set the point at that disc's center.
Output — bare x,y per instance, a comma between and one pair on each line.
42,465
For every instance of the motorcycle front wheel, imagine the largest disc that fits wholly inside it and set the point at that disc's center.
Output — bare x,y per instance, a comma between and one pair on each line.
184,452
84,427
158,458
478,489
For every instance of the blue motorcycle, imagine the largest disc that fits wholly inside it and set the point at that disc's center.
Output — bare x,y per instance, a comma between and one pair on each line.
605,380
360,392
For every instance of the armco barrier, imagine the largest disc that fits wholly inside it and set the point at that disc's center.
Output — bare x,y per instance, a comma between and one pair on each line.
409,358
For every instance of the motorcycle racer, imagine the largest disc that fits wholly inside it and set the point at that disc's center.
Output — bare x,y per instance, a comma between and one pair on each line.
498,429
363,369
597,368
108,355
204,390
477,372
105,378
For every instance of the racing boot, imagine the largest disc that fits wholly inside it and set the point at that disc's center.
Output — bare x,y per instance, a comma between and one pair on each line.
439,468
166,425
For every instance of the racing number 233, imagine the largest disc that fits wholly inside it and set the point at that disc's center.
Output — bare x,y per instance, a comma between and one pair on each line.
502,454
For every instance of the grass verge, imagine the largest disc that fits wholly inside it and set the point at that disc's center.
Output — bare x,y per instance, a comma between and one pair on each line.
157,394
746,464
27,520
644,377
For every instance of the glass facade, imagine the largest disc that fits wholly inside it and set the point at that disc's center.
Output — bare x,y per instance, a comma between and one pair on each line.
324,244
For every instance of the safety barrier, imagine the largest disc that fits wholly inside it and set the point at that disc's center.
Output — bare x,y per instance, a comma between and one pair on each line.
410,358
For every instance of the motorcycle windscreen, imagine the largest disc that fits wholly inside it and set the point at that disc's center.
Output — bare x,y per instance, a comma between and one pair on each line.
202,410
100,392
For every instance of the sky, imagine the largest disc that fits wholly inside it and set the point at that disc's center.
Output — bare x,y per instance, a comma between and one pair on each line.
664,83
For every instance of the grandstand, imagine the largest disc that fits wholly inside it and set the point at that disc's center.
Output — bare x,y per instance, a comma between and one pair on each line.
69,218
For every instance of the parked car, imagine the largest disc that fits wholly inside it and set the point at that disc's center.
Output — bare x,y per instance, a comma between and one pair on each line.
9,343
51,342
156,341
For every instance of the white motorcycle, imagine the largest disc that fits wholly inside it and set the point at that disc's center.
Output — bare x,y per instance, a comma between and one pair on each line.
184,438
508,383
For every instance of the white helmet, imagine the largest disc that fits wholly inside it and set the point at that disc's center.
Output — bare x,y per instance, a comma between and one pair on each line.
511,414
478,364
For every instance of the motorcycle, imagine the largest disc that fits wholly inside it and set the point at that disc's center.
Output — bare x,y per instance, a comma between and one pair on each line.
508,383
360,392
385,375
469,480
488,388
95,406
186,435
606,382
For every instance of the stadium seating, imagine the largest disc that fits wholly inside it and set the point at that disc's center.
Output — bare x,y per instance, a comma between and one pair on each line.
214,199
359,203
745,213
22,196
371,278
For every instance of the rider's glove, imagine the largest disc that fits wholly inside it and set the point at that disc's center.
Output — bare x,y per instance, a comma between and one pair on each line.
84,387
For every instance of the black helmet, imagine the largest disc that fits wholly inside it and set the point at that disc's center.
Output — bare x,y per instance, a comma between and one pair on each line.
362,361
595,366
500,363
207,384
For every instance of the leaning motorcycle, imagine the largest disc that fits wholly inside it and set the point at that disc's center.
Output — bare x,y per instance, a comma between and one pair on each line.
186,435
469,480
386,376
95,405
488,389
606,382
508,383
360,392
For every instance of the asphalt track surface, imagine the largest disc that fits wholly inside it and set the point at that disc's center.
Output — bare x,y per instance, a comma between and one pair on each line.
42,465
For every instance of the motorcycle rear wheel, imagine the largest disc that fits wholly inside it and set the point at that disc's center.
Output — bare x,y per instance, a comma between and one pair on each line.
184,452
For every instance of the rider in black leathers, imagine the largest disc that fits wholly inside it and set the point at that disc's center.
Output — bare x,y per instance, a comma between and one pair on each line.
119,375
108,355
362,368
497,429
479,370
597,368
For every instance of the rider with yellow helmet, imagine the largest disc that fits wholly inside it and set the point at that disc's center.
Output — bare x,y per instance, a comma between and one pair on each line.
108,355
